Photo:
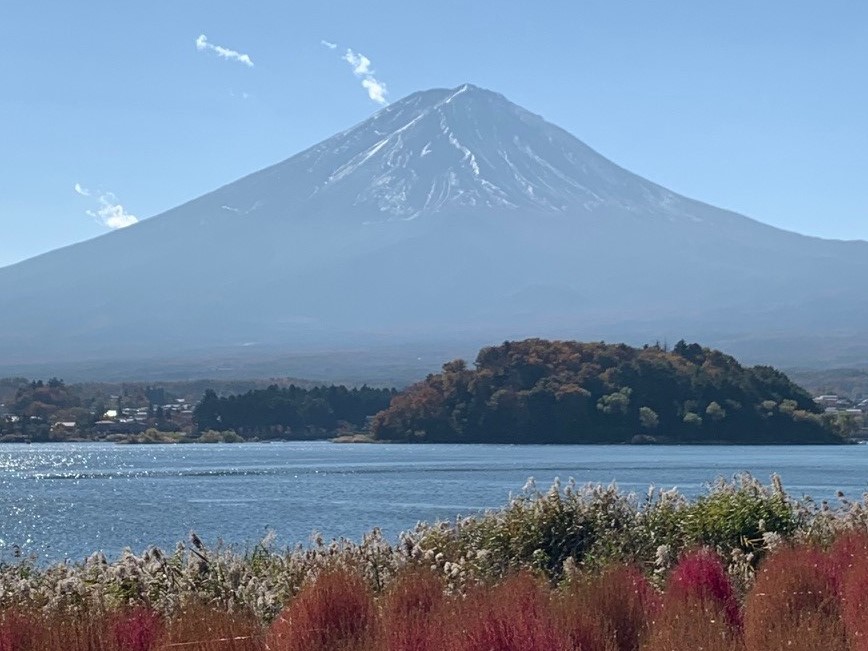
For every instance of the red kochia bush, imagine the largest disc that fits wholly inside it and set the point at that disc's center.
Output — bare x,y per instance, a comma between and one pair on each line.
700,576
849,558
413,612
693,625
846,552
334,612
136,629
700,608
515,615
794,604
201,627
854,595
608,612
16,631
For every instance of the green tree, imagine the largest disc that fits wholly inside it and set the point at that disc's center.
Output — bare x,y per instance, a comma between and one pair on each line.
715,412
648,418
692,419
617,403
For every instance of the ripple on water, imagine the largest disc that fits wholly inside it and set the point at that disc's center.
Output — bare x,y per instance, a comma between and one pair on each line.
67,500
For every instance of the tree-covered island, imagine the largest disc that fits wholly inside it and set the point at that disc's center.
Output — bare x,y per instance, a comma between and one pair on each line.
538,391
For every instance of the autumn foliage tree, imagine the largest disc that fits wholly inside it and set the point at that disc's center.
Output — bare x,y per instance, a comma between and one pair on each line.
543,391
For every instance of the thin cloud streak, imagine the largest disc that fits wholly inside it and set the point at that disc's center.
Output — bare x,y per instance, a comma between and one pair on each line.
329,45
202,45
361,65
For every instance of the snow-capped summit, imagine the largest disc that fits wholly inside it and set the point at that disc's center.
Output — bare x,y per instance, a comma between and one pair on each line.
452,215
464,148
456,149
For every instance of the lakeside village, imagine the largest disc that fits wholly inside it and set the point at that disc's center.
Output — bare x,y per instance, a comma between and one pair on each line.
153,415
49,415
183,412
857,411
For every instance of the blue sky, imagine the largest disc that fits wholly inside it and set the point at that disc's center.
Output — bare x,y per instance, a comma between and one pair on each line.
760,107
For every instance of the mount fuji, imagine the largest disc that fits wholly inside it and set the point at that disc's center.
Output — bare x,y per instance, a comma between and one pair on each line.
448,219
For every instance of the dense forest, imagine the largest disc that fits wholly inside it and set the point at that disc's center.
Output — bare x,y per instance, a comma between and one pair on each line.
538,391
291,412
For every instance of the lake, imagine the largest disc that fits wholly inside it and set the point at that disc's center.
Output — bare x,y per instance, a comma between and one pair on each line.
67,500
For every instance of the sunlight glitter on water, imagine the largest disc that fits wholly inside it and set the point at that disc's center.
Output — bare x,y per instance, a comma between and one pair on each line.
68,500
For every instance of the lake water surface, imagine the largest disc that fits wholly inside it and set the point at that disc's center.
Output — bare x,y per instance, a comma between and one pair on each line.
66,500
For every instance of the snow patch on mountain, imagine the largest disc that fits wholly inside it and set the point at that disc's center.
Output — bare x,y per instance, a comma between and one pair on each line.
451,149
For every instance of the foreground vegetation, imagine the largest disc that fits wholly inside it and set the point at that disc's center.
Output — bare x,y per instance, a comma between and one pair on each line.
538,391
744,567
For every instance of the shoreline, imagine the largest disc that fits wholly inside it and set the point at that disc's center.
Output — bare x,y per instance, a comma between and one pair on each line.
364,439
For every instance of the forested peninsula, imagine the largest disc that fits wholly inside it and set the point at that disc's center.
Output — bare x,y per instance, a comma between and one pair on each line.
539,391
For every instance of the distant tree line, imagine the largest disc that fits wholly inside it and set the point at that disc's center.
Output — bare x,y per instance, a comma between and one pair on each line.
538,391
291,412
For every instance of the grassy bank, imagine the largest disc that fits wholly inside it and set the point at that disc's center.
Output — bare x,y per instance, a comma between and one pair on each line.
566,568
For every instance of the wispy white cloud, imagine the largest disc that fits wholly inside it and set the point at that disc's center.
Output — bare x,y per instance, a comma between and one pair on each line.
110,213
361,65
329,45
376,90
202,45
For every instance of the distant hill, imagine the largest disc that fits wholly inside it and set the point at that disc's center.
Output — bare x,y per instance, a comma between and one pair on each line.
538,391
851,383
449,218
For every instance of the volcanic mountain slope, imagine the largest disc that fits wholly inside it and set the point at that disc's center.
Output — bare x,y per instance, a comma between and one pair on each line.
451,215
